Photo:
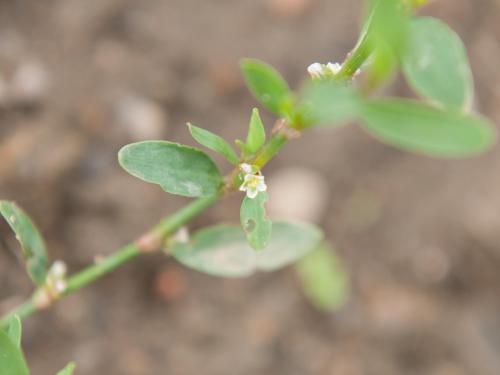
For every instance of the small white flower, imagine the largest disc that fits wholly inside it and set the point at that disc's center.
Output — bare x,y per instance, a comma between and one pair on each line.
334,67
59,287
318,70
315,70
58,269
55,283
253,185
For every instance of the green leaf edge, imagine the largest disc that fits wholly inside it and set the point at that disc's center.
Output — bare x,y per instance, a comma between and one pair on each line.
15,209
197,150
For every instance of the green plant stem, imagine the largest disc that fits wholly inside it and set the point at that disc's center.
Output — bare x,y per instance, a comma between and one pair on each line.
120,257
357,56
170,224
275,143
156,236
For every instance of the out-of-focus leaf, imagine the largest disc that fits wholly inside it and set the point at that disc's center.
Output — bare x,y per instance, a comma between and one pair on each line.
436,64
176,168
213,142
268,86
32,243
387,33
324,281
254,221
421,128
328,103
68,370
14,330
224,251
11,358
256,133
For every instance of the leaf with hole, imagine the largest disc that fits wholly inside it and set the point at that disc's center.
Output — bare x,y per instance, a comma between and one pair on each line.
11,357
32,243
422,128
214,143
324,281
224,251
436,64
268,86
178,169
254,221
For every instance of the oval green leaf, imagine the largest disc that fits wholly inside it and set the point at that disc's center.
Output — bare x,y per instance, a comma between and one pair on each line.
32,243
68,370
256,133
436,64
11,358
425,129
214,143
323,279
224,251
176,168
254,221
267,85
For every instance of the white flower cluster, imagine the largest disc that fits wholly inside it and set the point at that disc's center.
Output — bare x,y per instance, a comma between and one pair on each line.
56,279
253,181
317,70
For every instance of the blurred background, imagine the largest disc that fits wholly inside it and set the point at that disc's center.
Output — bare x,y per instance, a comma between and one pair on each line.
419,237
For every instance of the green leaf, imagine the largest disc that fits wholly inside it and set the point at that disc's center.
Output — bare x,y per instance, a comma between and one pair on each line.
176,168
224,251
14,330
256,133
243,147
436,64
11,358
323,279
213,142
421,128
328,103
68,370
255,222
267,85
32,243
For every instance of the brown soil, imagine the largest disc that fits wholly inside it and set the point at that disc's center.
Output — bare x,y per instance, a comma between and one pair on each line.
79,79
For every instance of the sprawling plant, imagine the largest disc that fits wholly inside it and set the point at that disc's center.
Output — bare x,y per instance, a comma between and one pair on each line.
434,62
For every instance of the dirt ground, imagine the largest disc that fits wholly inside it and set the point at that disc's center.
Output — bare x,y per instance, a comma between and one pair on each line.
420,237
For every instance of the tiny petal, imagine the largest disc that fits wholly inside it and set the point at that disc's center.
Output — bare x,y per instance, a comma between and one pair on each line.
262,187
315,70
252,193
58,269
334,67
248,178
60,286
247,168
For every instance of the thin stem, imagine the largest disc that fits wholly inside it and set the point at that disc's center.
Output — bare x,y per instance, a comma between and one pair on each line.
122,256
22,311
357,57
272,147
154,239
